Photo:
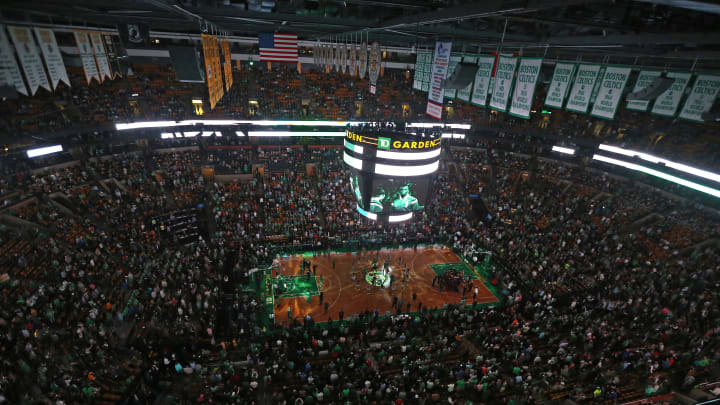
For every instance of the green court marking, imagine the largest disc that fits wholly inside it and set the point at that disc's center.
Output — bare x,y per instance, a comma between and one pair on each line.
298,286
441,268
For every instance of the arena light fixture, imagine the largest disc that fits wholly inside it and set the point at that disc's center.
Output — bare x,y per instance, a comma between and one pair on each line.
208,133
37,152
653,172
384,154
196,101
447,135
239,133
369,215
355,148
400,218
433,125
406,171
296,133
352,162
560,149
167,135
191,134
655,159
145,124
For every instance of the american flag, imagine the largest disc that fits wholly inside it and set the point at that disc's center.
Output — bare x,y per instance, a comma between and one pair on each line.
278,47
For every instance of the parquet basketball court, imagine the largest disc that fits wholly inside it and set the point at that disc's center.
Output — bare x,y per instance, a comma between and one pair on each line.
334,278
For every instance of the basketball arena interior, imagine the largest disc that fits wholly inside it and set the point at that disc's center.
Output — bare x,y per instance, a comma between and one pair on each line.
307,202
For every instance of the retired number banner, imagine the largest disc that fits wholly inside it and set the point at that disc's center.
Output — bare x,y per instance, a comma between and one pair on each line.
100,56
30,60
525,87
439,72
667,103
464,94
503,82
9,70
645,78
86,56
611,91
560,84
482,80
579,99
53,58
701,97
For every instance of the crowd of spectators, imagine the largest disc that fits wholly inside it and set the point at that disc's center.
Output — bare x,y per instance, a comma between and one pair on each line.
608,292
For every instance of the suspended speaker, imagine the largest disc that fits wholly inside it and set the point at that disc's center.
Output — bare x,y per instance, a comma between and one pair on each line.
462,76
656,88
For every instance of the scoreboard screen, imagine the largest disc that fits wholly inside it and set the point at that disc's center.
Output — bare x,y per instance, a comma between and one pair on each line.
391,172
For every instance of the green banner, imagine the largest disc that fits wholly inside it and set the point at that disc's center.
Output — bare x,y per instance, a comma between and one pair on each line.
483,77
423,67
525,87
610,91
585,79
560,84
504,76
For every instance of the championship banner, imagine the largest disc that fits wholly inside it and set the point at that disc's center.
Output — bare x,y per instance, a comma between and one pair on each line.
464,94
86,56
52,56
667,103
336,57
9,71
343,58
645,78
579,99
524,91
100,56
439,73
374,61
423,70
30,60
212,68
503,82
596,88
454,60
611,91
352,59
560,84
481,84
227,64
363,60
701,97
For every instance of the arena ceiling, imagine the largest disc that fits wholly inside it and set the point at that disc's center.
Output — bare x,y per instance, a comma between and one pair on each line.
677,33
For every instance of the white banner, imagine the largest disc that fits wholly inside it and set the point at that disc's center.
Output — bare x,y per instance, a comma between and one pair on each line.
579,99
100,56
9,70
343,58
29,57
560,84
667,103
363,60
611,91
439,73
482,80
53,58
596,88
464,94
374,62
86,56
503,82
454,60
524,92
701,98
423,70
645,78
352,59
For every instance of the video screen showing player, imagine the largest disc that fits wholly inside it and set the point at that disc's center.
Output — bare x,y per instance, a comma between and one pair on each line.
403,200
397,195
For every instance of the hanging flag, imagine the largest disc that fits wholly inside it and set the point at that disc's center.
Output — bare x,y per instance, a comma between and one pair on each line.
52,56
666,104
30,60
579,99
504,74
9,71
228,64
644,79
100,56
481,84
134,34
610,91
454,60
363,60
423,68
352,60
560,84
115,51
596,88
374,62
86,56
441,60
701,98
278,47
524,91
464,94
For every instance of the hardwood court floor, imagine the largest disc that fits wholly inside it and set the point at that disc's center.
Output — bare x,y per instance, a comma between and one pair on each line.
353,297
